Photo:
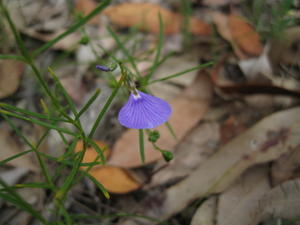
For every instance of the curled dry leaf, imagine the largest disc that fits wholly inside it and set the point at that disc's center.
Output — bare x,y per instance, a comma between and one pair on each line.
188,108
243,38
115,180
244,35
235,204
206,213
91,154
282,201
146,17
286,166
267,140
10,75
256,206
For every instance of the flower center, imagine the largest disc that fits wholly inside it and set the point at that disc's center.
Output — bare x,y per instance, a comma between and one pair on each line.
136,95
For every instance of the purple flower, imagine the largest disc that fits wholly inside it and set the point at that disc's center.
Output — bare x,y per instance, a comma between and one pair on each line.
143,111
103,68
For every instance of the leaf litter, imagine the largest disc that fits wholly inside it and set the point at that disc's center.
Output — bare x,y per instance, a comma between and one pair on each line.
237,131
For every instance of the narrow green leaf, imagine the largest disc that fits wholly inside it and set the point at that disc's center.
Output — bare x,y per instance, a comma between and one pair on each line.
3,162
158,49
142,145
202,66
64,92
171,130
73,28
18,201
98,150
97,183
33,185
29,113
62,192
88,104
125,50
15,57
41,123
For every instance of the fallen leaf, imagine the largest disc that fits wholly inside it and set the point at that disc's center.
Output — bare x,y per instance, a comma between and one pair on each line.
44,21
267,140
235,204
91,154
286,167
198,27
115,180
243,38
206,213
146,17
9,148
262,203
230,128
10,76
244,35
85,7
188,108
282,201
221,22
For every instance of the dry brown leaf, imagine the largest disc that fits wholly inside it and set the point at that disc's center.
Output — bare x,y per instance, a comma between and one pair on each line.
10,75
146,17
267,140
9,148
243,38
206,213
188,108
198,27
115,180
221,22
85,7
44,21
282,201
286,167
91,154
244,35
235,204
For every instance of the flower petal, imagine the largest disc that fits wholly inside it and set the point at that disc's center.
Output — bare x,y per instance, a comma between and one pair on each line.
144,112
103,68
